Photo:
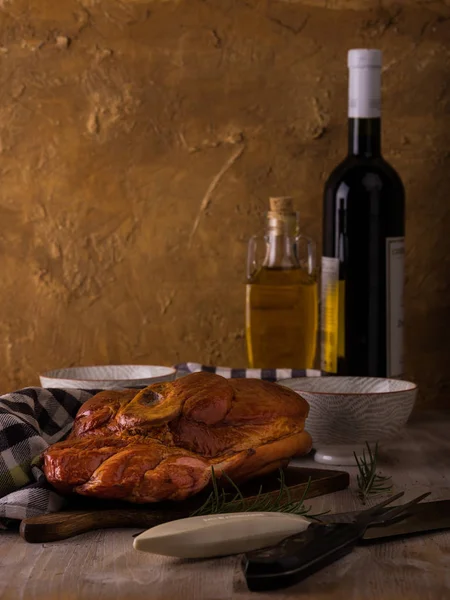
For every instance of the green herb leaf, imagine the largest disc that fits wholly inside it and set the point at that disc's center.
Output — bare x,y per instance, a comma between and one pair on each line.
220,501
370,483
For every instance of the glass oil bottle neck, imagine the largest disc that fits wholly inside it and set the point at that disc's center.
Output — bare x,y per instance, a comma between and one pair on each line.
281,232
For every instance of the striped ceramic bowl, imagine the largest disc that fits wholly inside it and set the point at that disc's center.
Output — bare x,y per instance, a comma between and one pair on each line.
107,377
347,412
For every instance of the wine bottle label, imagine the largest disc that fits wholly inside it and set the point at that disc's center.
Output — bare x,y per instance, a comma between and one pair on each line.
395,273
329,317
364,93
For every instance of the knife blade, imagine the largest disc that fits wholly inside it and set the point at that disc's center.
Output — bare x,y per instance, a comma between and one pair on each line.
423,518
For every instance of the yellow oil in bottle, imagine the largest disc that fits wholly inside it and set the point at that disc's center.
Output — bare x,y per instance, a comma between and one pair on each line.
281,294
282,318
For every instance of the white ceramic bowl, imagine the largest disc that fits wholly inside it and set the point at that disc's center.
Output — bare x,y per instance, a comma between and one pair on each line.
109,377
346,412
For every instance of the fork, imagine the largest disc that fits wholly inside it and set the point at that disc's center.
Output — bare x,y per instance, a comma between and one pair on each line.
305,553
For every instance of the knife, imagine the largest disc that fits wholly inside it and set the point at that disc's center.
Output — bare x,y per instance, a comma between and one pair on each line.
234,533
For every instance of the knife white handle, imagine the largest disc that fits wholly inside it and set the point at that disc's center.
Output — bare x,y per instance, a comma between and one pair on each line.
219,535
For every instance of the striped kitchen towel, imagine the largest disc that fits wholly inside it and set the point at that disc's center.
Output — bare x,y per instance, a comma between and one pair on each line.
33,418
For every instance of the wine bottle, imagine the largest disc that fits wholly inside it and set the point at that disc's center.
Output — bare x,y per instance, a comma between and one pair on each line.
362,269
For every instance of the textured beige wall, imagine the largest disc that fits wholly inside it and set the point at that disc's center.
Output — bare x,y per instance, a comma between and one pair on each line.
141,140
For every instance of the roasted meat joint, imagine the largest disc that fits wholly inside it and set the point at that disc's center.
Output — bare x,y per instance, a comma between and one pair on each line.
161,443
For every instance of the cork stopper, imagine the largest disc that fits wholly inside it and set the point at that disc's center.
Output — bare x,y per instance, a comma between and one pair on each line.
281,204
282,217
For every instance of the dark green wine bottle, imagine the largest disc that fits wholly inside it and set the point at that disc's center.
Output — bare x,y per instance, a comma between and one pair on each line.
362,277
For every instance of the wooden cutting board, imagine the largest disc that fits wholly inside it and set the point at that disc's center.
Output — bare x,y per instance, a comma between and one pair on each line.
85,514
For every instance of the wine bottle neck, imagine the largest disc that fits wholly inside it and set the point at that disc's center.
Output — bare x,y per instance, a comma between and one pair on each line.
364,137
364,102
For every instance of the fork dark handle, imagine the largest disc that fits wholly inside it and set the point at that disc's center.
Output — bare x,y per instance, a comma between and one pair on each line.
299,556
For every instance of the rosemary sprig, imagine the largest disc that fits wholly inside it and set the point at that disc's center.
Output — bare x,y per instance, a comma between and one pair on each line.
220,501
370,483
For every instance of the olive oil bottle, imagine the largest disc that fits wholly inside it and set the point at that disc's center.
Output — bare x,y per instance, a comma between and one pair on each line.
281,293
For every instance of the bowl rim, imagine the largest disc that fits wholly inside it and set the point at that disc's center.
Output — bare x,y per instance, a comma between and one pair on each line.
50,374
409,389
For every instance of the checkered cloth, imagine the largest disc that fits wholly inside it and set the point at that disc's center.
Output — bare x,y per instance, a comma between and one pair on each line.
30,420
266,374
34,418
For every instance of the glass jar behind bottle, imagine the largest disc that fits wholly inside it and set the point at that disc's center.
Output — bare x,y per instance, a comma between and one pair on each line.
281,295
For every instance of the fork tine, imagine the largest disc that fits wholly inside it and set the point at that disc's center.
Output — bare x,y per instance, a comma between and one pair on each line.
376,508
370,514
391,521
414,501
395,511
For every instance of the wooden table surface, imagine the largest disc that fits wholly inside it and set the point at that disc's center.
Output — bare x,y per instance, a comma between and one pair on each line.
102,565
